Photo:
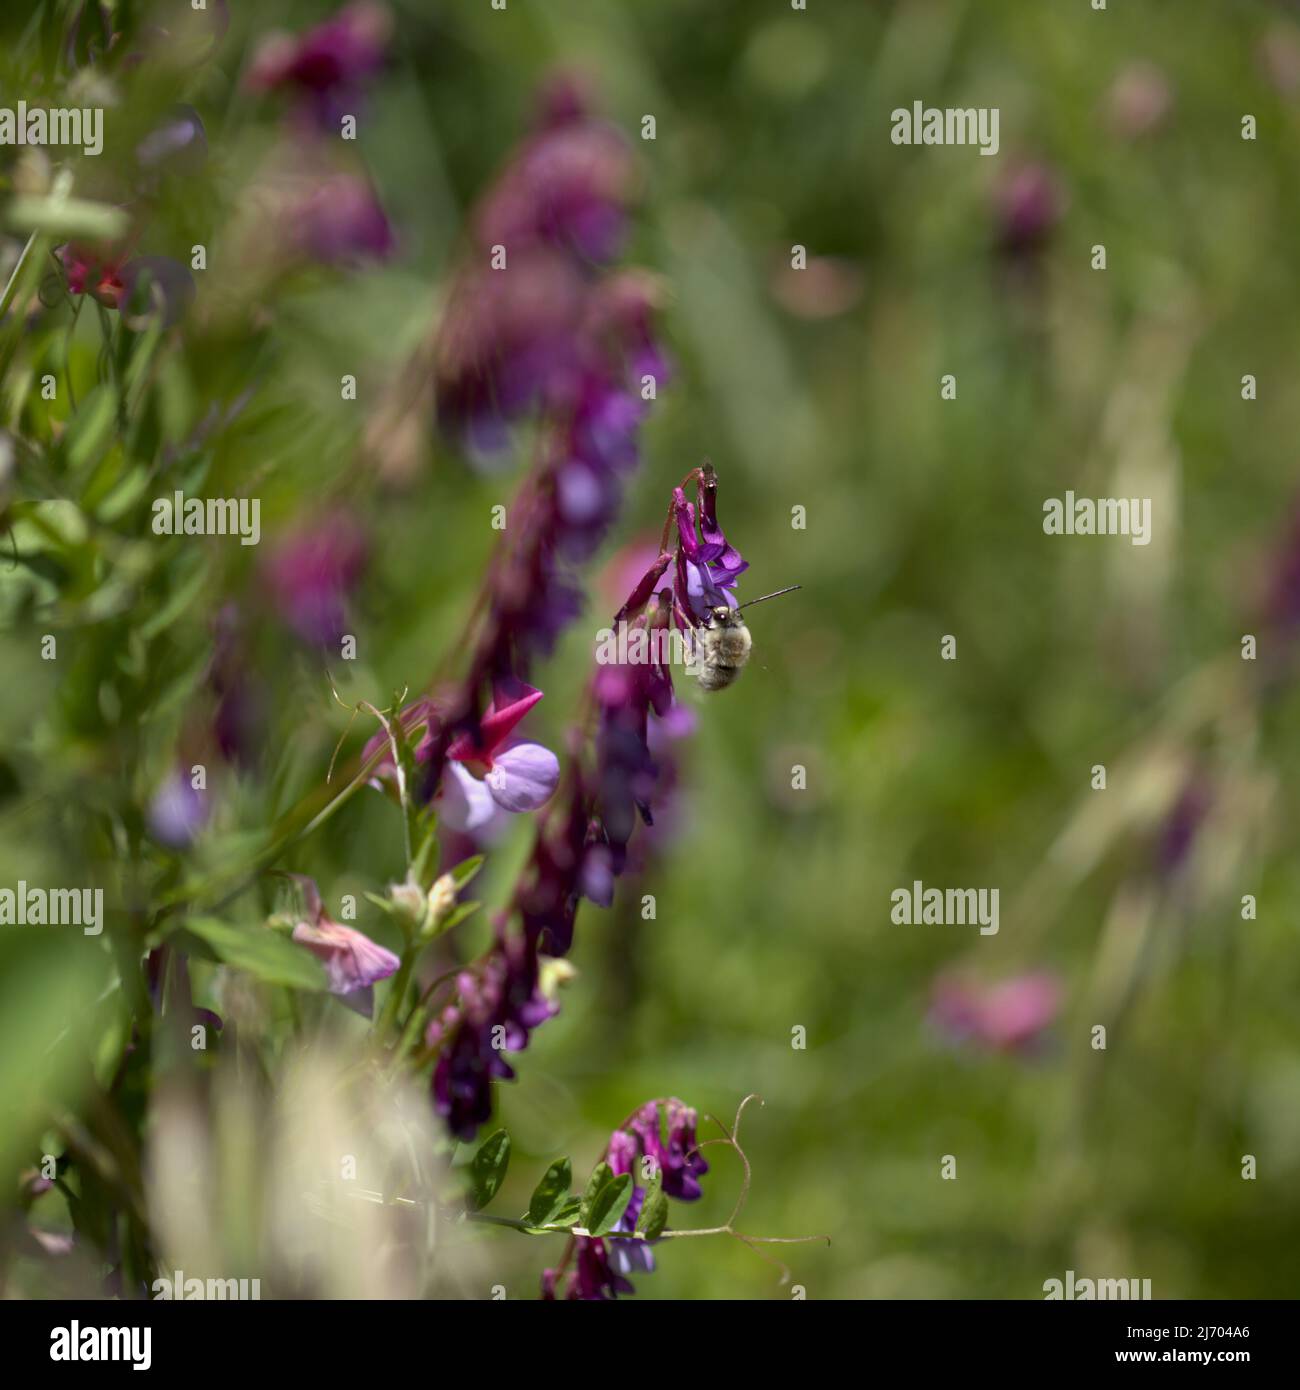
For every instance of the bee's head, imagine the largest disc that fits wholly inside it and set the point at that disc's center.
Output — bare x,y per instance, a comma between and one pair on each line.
722,616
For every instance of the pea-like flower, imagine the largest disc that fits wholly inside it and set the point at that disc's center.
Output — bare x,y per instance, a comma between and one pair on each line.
353,963
489,771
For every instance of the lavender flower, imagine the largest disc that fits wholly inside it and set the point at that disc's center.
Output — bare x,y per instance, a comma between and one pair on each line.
353,963
178,811
178,145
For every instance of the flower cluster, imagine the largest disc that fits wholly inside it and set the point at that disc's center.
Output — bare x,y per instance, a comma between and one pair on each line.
677,590
601,1266
536,324
499,1004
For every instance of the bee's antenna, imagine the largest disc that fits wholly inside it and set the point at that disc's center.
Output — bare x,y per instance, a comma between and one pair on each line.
764,598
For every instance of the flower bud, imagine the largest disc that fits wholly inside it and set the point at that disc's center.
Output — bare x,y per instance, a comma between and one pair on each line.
442,901
409,906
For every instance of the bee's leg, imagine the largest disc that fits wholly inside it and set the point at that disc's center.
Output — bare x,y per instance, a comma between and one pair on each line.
702,477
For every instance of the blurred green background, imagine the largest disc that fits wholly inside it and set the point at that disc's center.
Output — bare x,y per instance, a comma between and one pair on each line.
820,389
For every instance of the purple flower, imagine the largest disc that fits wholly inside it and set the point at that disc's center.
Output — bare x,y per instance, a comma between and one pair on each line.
1028,203
179,145
120,281
632,1256
546,897
178,811
601,1267
488,771
679,1158
353,963
569,186
595,1277
328,66
497,1009
708,565
309,573
1181,826
339,220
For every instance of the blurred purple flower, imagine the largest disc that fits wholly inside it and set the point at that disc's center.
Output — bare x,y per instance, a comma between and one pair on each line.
179,145
1179,831
1028,205
570,186
339,221
120,281
327,67
1011,1016
178,811
311,570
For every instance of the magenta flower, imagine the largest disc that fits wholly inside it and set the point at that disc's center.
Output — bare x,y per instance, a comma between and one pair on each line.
1028,205
487,773
352,961
1011,1016
516,775
327,67
309,573
339,220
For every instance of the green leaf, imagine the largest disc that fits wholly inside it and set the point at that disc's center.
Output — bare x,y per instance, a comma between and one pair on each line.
425,862
567,1215
607,1206
91,428
654,1214
262,952
458,915
487,1169
551,1194
466,869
